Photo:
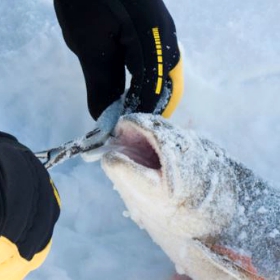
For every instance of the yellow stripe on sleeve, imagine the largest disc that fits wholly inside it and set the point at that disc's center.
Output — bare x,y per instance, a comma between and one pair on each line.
158,47
159,85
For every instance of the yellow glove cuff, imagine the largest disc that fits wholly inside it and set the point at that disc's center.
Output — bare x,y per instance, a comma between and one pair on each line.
177,77
13,266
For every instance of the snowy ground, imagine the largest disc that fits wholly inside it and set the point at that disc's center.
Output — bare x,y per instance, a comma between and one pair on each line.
232,73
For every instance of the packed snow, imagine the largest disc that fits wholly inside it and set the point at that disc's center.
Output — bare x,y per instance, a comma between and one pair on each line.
232,76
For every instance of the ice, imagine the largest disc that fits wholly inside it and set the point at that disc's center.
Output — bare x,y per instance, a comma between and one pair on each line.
262,210
232,77
274,233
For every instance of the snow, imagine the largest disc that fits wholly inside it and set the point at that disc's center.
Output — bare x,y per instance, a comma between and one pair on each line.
232,76
262,210
274,233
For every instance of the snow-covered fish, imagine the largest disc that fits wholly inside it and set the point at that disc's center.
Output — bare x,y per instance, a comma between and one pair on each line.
210,214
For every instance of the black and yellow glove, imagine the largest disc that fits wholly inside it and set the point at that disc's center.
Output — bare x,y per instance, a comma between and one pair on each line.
29,209
109,35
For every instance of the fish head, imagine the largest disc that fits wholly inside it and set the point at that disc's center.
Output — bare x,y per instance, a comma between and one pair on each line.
193,199
169,177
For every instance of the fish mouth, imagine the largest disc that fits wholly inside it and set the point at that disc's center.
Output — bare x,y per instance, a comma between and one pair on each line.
137,144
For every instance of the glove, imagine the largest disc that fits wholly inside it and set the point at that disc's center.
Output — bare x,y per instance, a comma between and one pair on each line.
29,209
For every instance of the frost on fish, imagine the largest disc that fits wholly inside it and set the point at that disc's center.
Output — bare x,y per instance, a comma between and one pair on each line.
211,215
254,230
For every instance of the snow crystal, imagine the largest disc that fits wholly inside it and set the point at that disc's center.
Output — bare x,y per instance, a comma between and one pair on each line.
262,210
126,214
274,233
242,235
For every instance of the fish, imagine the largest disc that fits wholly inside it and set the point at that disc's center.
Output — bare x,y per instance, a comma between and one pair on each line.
212,216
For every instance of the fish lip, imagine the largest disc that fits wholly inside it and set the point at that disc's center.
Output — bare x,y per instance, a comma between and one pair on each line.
131,138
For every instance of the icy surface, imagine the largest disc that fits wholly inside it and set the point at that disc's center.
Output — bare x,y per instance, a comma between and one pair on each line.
232,76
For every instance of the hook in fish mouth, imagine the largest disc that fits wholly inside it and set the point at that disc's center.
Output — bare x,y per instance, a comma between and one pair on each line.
137,145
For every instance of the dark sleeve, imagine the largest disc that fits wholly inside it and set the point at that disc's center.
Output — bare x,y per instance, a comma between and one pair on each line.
29,201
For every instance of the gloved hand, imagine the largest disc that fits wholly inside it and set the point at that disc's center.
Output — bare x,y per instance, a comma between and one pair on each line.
146,45
29,209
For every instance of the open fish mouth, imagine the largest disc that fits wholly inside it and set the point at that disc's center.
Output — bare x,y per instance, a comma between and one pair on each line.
137,144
